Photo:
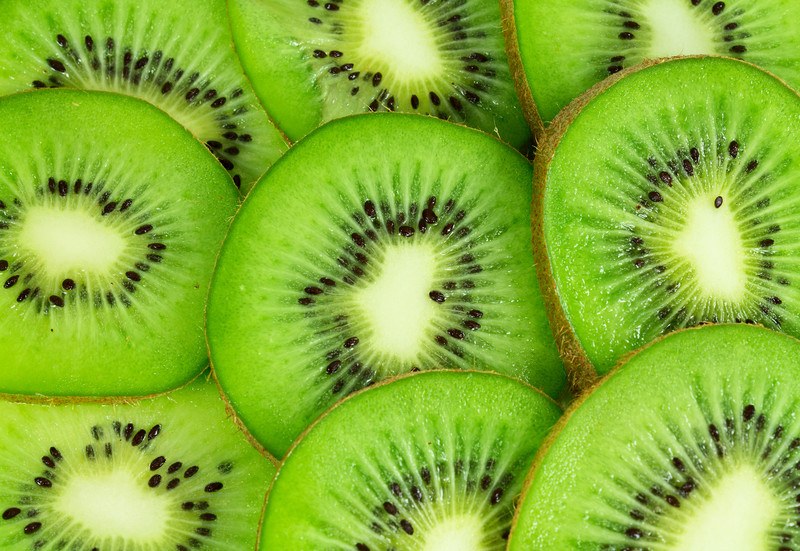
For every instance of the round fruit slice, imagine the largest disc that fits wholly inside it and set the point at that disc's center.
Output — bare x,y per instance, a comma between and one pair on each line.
165,473
566,47
367,252
111,216
311,62
429,461
177,55
692,444
680,211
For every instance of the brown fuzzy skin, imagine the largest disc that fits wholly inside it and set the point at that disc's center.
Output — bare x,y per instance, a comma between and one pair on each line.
43,400
581,374
48,400
596,384
518,70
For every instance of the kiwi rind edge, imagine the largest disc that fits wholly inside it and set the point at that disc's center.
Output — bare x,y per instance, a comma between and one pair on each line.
582,376
383,383
518,75
544,448
207,373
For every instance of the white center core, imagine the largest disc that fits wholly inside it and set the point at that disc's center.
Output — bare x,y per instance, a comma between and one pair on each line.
676,29
112,504
711,243
395,34
397,305
737,517
68,241
462,533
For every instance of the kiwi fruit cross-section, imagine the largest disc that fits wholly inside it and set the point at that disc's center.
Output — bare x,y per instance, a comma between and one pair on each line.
427,462
168,473
178,55
684,209
111,217
566,47
693,444
380,244
315,60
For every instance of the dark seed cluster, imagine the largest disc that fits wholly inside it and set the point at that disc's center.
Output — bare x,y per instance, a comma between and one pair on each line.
726,20
20,277
665,181
153,72
368,83
769,445
378,225
402,507
106,442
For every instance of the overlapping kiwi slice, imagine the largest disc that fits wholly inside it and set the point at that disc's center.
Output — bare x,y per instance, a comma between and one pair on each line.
429,461
563,48
111,216
168,473
316,60
380,244
692,444
177,55
683,210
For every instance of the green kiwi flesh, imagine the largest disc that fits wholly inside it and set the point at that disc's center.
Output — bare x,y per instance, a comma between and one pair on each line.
566,47
692,444
177,55
311,62
366,252
682,211
164,473
108,238
430,461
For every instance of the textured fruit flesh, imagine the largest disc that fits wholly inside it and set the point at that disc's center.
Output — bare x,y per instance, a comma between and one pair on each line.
107,244
681,213
428,462
566,47
171,472
359,258
176,55
311,62
692,444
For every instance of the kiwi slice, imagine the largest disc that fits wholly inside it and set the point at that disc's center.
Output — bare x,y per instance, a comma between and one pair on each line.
313,61
692,444
682,211
178,55
429,461
366,252
107,243
170,472
563,48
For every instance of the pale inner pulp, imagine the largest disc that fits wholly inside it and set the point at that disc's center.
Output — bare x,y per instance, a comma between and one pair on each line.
396,305
737,516
112,504
67,241
460,533
676,29
712,245
392,33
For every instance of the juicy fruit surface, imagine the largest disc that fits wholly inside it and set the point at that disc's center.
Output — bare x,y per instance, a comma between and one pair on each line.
105,236
565,48
421,463
692,444
176,55
311,62
170,472
358,258
683,212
